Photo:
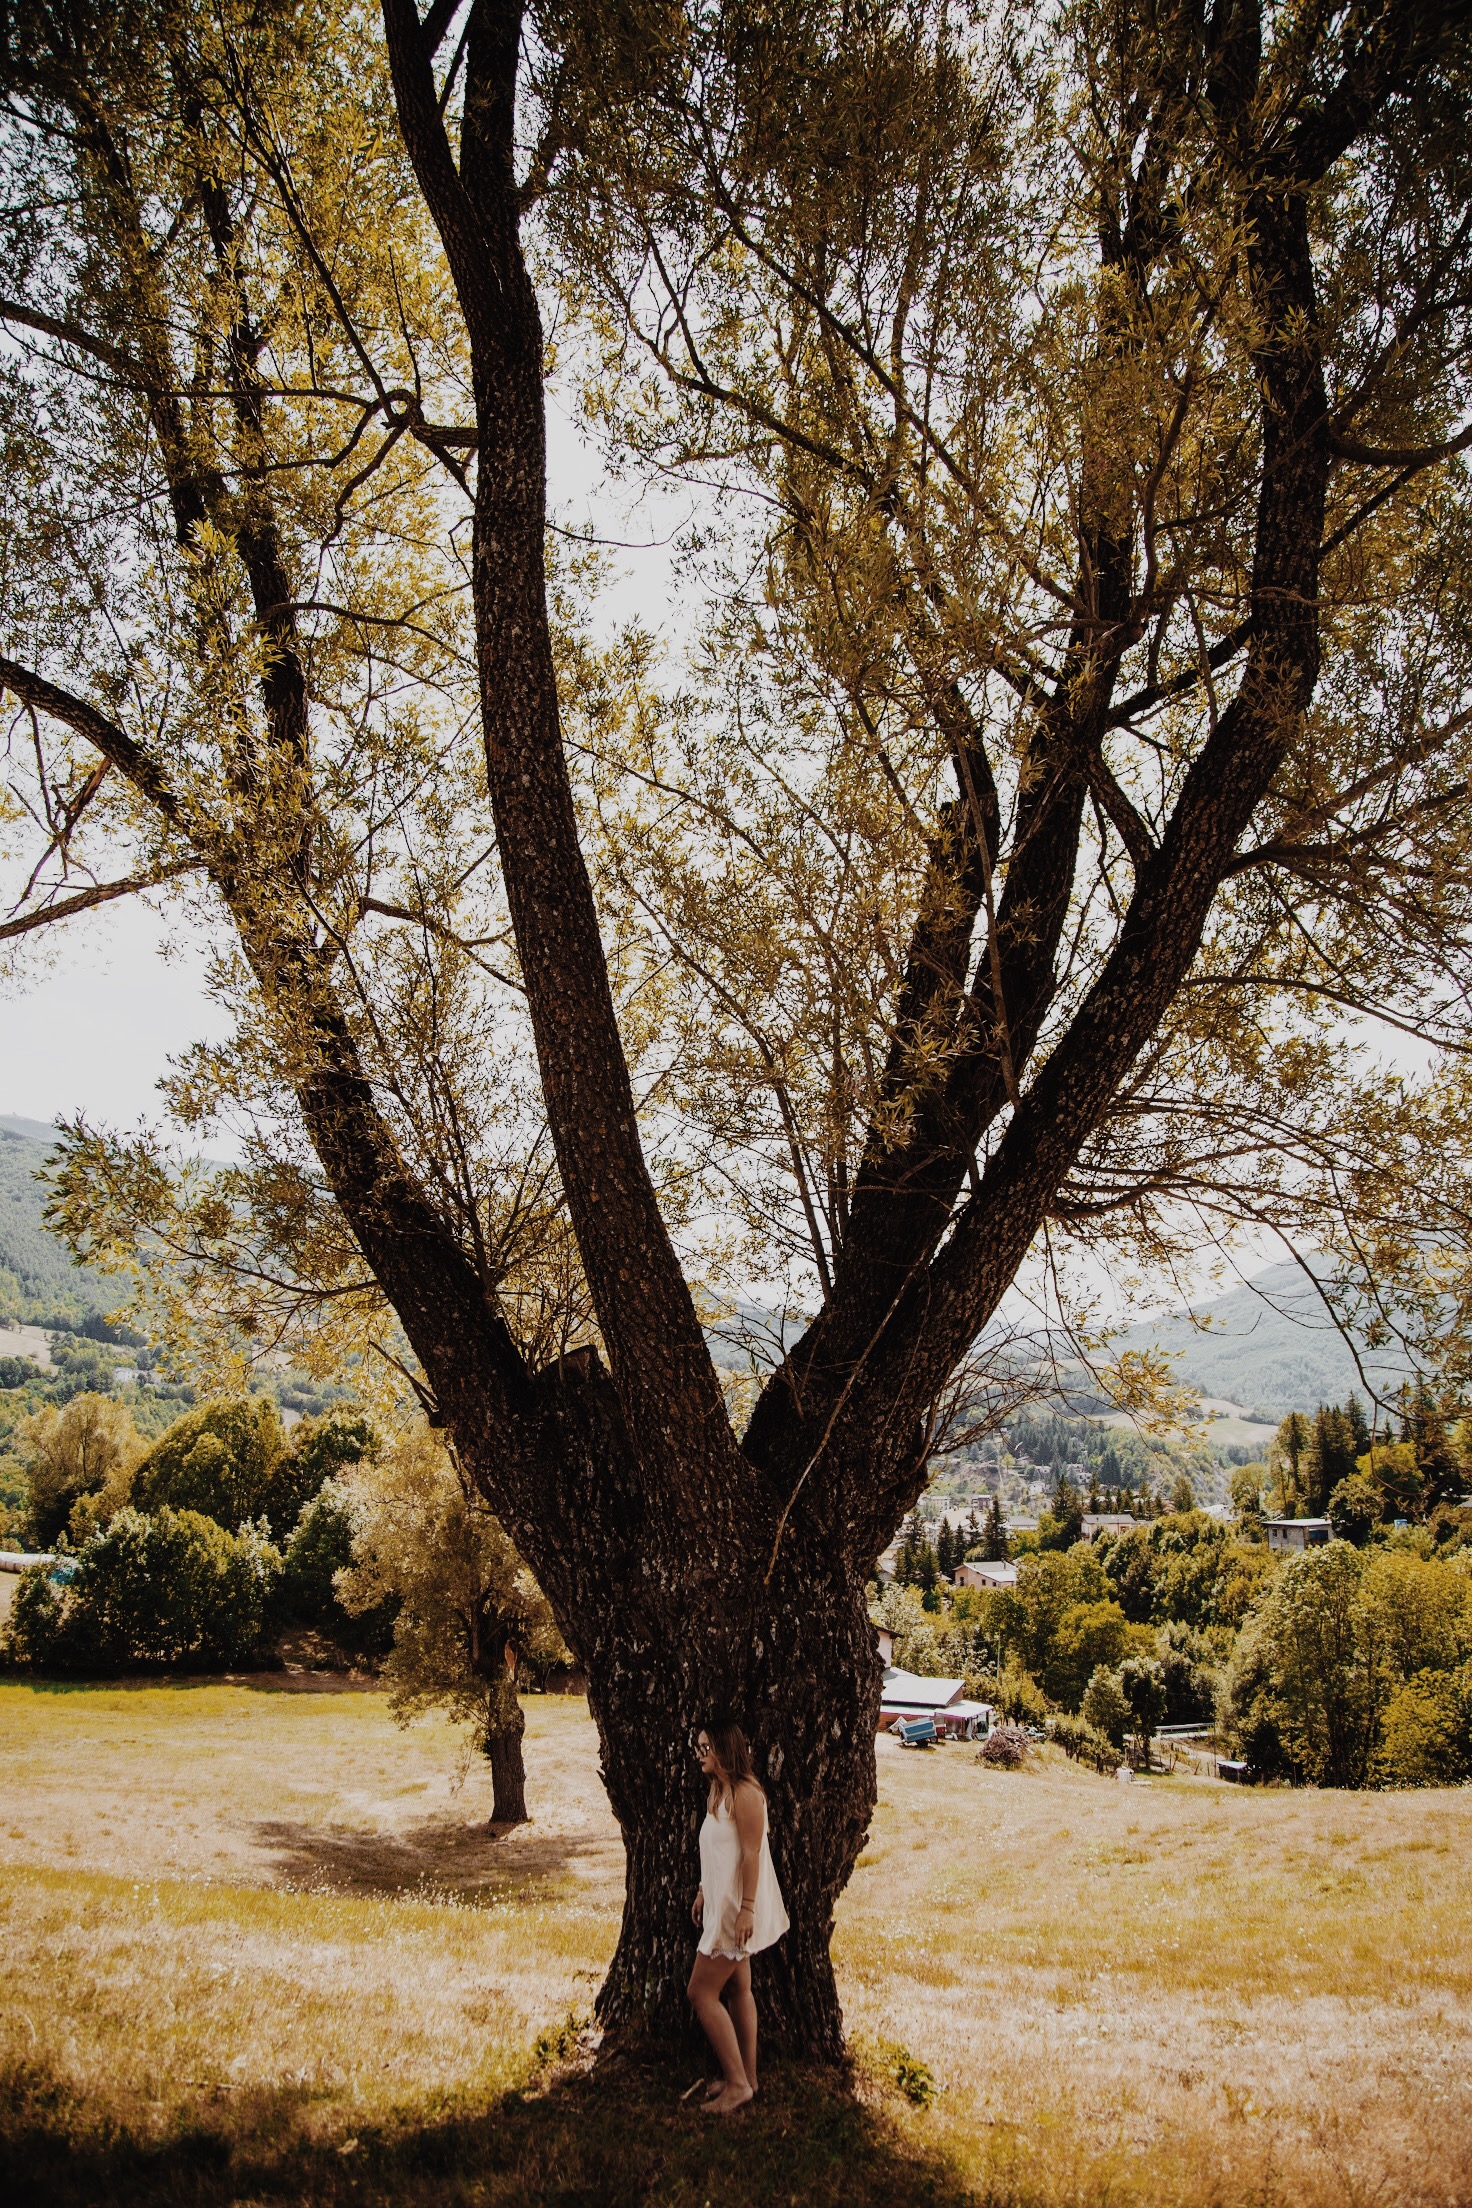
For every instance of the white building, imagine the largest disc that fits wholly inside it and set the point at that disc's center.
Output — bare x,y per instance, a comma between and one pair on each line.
1105,1521
1288,1534
976,1573
908,1694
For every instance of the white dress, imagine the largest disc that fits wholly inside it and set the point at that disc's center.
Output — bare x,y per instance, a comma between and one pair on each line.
720,1886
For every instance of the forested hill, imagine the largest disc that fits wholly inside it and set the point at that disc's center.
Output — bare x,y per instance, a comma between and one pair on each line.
39,1283
1269,1345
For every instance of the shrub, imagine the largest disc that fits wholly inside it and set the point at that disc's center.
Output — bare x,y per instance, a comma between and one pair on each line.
154,1591
1080,1740
320,1547
1019,1697
1006,1747
913,2077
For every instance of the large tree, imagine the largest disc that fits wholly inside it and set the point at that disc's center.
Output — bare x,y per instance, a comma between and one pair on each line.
1093,374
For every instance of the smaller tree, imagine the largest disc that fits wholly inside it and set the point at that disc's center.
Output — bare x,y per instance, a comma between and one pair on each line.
1142,1683
1182,1494
1425,1428
1286,1464
994,1546
470,1614
224,1460
320,1549
1391,1468
1329,1457
1426,1731
916,1563
1359,1425
1089,1635
1305,1684
1247,1486
90,1446
233,1461
1355,1509
1104,1706
1061,1526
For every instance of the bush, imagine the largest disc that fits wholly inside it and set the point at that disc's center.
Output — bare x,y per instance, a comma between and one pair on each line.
320,1547
1019,1697
152,1592
1083,1743
1006,1748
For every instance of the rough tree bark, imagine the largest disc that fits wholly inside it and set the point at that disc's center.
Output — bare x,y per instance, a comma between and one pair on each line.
504,1729
693,1575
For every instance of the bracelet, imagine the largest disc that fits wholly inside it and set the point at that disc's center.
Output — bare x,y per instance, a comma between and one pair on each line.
748,1904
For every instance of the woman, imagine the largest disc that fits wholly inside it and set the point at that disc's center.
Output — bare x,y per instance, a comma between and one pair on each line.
738,1906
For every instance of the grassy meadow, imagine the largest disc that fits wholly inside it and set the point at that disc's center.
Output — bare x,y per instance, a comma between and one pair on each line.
259,1948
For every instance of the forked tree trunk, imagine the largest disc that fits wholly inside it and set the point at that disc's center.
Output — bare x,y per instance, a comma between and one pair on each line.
796,1663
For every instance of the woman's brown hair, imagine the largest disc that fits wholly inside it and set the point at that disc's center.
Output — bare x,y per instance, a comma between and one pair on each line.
732,1753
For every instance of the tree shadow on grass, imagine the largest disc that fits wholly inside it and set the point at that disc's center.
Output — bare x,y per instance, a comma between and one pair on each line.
615,2137
437,1856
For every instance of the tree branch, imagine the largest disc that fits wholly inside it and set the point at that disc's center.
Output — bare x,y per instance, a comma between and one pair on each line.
85,720
103,893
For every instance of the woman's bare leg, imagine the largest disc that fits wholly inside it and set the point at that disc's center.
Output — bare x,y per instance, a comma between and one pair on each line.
742,2008
707,1981
742,2005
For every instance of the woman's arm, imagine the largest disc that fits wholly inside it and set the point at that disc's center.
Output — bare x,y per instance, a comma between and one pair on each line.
749,1810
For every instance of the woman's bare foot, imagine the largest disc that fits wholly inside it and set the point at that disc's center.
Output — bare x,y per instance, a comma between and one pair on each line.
729,2099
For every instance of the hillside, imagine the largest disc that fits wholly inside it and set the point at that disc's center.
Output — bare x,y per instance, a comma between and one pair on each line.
1267,1344
38,1280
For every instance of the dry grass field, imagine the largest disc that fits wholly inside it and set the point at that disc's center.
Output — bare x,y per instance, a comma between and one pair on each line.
259,1948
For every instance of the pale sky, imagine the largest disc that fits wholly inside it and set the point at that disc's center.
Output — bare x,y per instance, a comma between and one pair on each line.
93,1031
93,1028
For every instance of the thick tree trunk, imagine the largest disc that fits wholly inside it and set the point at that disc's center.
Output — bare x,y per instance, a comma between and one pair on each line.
800,1672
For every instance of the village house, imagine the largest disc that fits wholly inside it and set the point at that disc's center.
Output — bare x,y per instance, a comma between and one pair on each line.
906,1695
981,1574
1288,1534
1106,1521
